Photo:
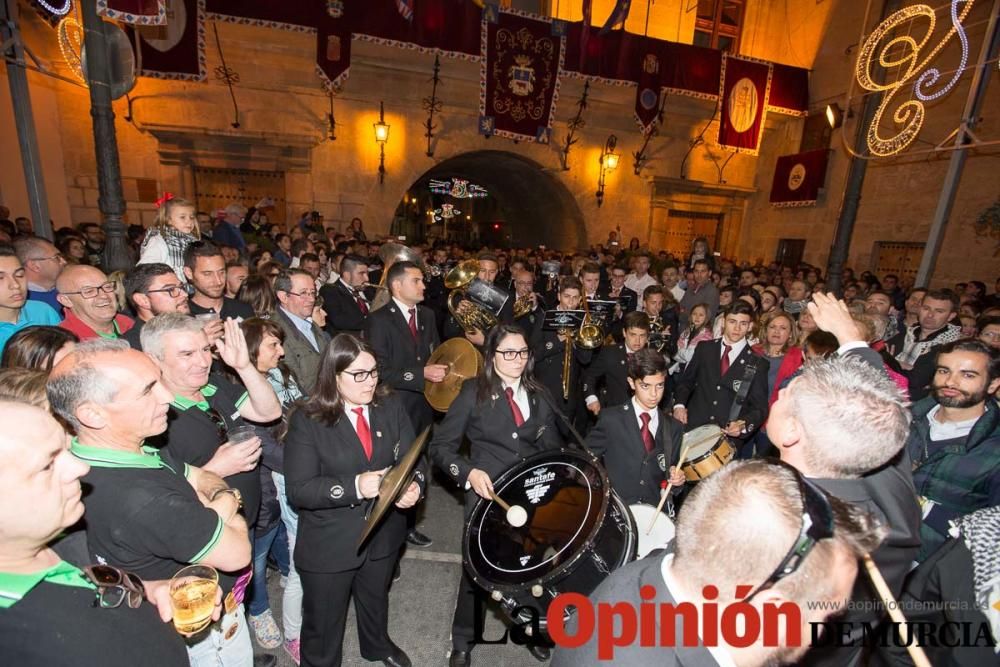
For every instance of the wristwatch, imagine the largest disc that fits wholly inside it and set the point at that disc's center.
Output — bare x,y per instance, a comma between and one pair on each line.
236,494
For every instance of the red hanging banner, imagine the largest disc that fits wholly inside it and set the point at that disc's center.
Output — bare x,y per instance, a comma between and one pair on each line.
521,59
648,92
744,92
798,178
175,50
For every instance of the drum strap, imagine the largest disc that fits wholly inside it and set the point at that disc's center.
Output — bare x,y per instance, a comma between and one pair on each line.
749,371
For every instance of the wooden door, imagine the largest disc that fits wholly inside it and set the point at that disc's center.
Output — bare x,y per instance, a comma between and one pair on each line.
680,228
218,188
790,252
902,259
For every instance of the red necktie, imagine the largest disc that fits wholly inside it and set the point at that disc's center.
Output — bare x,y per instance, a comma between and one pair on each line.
518,417
413,325
725,357
364,433
361,303
647,437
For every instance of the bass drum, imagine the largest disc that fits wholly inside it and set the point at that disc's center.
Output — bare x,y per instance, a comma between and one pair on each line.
577,532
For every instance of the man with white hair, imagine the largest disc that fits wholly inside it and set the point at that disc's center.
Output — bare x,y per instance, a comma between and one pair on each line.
843,423
227,231
147,511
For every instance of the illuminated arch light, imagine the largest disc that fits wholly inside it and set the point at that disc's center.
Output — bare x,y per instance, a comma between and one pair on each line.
70,37
57,11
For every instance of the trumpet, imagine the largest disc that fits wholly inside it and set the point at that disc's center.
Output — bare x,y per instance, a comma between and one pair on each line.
523,305
590,336
657,334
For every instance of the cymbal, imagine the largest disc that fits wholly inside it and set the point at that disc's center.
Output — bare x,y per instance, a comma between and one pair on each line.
394,483
463,361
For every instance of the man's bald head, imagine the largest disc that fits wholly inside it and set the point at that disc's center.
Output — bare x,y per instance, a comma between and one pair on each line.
75,276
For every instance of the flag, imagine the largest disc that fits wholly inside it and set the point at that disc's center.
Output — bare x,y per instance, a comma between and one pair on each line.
799,178
744,93
618,16
405,8
647,94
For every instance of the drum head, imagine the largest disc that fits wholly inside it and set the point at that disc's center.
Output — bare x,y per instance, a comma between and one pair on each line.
565,494
701,440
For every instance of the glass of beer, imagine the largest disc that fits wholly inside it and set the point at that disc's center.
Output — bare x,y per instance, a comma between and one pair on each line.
192,598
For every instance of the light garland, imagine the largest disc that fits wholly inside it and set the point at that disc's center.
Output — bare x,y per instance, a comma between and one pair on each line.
458,188
58,12
70,37
911,113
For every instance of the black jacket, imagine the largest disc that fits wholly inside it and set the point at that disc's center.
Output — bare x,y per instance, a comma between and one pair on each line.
635,473
610,365
549,357
708,395
401,360
342,312
321,463
497,443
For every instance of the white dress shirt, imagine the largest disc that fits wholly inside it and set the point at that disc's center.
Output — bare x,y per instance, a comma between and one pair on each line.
353,416
520,397
406,312
719,653
639,285
654,421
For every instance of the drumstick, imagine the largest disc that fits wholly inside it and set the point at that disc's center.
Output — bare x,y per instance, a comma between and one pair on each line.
916,652
666,492
499,501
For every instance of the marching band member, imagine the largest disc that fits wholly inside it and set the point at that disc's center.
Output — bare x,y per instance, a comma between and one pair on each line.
550,353
611,365
403,335
489,266
339,444
638,442
506,418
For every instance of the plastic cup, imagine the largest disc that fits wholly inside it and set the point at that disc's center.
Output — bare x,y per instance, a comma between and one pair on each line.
192,598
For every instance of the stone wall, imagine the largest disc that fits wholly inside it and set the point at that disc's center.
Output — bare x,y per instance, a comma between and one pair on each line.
179,126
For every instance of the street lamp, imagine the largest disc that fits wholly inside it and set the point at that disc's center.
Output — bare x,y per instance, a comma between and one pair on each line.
381,137
608,162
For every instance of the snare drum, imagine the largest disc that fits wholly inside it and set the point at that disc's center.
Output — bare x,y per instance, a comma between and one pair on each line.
659,536
708,449
578,531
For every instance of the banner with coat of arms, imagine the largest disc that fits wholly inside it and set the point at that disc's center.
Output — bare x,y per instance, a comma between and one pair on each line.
649,90
798,178
519,86
744,93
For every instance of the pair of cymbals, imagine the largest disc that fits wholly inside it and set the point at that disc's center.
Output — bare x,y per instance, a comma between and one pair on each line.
463,361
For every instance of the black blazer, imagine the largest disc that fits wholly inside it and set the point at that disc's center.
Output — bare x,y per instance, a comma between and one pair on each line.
611,365
496,443
623,587
635,473
549,355
708,396
342,312
604,293
401,361
321,463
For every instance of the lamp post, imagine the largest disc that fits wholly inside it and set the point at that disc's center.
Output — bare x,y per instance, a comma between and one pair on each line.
381,137
608,162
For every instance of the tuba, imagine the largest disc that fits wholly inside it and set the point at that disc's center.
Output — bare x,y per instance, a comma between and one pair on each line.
474,315
390,253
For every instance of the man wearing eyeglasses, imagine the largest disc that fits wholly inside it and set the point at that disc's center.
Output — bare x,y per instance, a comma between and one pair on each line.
154,289
51,612
842,423
42,264
90,303
16,311
304,339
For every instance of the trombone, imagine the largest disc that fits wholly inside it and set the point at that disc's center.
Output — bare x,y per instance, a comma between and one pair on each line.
588,337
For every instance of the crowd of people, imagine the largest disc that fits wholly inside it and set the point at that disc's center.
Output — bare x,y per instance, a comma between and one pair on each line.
234,399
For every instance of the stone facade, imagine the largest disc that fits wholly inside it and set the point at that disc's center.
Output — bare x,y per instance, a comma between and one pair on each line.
178,128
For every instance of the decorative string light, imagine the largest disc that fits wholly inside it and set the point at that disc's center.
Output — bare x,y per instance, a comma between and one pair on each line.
58,12
70,37
911,113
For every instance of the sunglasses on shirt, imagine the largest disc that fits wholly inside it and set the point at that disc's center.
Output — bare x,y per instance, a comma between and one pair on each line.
817,524
115,586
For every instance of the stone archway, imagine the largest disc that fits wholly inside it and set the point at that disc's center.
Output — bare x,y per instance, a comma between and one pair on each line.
526,206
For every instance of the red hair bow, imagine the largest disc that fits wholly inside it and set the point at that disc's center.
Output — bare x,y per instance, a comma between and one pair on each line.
167,196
